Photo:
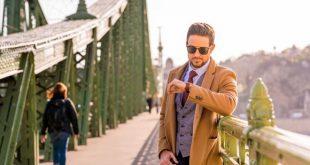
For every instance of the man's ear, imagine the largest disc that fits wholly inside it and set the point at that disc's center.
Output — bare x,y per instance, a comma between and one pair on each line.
212,48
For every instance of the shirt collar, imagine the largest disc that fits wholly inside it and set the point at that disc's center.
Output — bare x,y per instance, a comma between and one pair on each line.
200,71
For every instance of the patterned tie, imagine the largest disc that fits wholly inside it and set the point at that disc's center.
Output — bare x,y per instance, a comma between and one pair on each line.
192,74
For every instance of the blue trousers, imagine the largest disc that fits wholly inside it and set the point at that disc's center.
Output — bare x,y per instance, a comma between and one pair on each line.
60,144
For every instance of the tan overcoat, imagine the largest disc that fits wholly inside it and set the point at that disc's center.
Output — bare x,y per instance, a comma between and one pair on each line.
216,96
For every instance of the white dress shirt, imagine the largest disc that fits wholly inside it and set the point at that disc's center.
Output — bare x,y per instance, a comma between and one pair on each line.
200,71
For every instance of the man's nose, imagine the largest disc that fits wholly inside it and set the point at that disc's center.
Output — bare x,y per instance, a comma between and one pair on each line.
197,54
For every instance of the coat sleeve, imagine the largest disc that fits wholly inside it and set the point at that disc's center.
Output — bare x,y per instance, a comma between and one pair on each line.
72,115
44,120
224,101
163,143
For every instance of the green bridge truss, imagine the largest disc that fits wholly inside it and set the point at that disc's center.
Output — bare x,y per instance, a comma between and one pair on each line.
103,56
106,66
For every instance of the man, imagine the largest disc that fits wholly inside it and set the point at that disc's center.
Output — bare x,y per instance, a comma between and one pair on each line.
197,94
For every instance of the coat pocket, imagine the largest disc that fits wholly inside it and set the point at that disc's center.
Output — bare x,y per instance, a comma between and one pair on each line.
212,137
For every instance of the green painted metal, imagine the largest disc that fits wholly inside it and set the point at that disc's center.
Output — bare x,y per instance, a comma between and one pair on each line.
128,46
232,147
137,59
65,77
121,71
72,89
96,121
112,120
81,12
36,10
260,143
260,113
117,90
87,88
13,15
125,67
15,11
116,67
242,151
13,109
260,109
28,146
104,80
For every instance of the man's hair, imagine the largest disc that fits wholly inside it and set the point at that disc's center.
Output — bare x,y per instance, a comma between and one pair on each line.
201,29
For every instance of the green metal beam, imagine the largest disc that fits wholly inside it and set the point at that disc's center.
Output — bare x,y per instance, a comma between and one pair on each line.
12,113
104,81
112,113
38,13
96,121
13,15
29,148
87,88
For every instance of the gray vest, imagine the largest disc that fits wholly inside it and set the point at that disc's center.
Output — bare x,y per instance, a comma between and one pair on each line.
185,120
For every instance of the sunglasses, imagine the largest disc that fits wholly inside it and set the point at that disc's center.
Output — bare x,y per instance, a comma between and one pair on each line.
202,50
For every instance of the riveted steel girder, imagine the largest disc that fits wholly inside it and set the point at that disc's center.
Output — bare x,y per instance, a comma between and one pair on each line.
86,90
12,111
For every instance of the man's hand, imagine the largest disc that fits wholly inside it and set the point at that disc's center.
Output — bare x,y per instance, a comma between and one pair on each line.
176,86
43,138
165,157
76,136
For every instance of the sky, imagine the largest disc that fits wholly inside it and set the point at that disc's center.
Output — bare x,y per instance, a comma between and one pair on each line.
241,26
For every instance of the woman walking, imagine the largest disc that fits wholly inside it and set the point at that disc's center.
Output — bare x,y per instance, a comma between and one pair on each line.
60,119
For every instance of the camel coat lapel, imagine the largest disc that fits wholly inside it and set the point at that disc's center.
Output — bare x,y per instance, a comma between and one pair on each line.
171,122
206,83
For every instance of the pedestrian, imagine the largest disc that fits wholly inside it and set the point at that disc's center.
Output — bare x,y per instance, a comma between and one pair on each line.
149,101
197,94
157,105
60,119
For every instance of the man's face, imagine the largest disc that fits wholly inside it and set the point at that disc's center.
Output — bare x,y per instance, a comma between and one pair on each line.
197,59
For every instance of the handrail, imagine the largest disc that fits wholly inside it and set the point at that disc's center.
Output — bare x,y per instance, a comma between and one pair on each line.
258,141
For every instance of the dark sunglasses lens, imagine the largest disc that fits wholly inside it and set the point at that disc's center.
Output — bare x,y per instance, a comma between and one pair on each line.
191,49
203,50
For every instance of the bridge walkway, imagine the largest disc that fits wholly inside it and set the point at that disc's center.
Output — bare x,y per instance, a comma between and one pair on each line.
132,143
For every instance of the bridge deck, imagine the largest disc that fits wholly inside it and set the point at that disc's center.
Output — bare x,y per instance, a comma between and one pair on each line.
132,143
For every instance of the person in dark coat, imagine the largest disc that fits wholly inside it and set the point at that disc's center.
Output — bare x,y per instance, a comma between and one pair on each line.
60,120
149,101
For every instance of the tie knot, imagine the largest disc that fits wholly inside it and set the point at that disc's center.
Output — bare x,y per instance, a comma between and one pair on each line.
192,74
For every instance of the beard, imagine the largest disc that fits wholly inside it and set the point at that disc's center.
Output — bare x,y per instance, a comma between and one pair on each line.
197,64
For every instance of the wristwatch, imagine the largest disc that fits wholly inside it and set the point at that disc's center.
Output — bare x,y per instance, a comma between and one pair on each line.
187,86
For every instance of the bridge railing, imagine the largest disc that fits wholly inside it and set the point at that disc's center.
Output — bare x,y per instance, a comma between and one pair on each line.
258,140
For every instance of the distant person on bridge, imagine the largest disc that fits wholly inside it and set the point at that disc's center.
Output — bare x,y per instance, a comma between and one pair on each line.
197,94
60,119
149,101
